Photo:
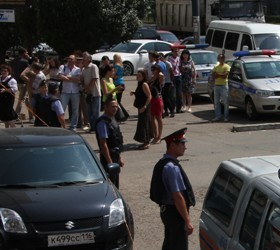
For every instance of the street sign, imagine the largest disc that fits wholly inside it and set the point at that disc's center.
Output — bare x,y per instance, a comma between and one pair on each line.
7,16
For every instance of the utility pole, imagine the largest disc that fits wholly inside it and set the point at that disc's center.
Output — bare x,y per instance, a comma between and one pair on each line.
196,21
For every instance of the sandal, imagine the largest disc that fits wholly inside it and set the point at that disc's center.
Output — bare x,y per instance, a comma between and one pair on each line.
144,146
156,141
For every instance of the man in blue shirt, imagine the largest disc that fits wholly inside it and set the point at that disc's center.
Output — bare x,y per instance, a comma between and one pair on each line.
171,189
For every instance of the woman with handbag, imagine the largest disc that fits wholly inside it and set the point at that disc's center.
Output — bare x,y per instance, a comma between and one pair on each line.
142,101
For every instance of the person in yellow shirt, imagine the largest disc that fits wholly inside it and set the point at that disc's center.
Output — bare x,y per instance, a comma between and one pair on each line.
220,73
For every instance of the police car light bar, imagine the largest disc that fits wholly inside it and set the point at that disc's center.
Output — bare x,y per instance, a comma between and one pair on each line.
254,53
190,46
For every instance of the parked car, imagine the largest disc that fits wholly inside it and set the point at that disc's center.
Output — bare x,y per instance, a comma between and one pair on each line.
253,83
54,193
204,61
168,36
150,33
190,40
134,53
241,209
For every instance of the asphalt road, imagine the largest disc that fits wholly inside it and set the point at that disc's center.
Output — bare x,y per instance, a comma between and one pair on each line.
208,145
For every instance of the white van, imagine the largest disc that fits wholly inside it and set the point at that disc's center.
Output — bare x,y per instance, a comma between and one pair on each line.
241,210
230,36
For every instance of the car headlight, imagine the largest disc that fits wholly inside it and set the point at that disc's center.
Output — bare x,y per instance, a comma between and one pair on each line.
117,215
264,93
12,222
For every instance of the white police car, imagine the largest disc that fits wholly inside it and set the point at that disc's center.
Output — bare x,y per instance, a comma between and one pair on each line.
241,209
254,82
204,60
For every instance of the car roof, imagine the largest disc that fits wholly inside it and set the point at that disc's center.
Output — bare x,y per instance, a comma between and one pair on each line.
259,58
147,41
38,136
252,167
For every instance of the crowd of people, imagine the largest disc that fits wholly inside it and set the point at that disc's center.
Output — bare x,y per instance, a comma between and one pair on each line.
164,87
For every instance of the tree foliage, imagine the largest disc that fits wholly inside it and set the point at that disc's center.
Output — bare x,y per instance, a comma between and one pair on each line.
68,25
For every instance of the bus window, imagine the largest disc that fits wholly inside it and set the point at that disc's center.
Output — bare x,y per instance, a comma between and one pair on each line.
246,41
231,41
218,38
209,36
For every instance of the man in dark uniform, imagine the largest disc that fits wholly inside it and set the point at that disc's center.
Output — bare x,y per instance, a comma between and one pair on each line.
47,106
171,189
109,137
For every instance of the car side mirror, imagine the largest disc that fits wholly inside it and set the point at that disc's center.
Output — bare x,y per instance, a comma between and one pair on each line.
113,168
143,51
237,77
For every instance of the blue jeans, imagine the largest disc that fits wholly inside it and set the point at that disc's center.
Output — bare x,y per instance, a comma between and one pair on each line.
221,93
177,82
93,110
75,100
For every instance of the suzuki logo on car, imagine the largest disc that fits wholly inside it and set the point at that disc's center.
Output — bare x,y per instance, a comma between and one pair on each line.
69,225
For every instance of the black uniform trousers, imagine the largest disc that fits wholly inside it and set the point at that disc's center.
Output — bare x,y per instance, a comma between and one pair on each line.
175,237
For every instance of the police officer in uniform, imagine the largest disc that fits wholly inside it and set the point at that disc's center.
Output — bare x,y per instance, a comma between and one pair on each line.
48,107
109,137
171,189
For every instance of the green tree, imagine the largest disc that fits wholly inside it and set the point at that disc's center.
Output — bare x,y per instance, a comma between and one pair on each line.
67,25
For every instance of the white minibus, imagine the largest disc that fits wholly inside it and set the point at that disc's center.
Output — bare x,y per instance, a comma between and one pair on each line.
230,36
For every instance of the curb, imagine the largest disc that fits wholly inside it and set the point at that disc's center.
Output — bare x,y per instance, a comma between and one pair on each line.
255,127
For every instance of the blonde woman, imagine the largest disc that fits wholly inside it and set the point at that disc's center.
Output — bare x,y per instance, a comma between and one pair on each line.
118,77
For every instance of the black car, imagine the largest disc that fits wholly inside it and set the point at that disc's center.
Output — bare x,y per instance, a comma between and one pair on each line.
55,194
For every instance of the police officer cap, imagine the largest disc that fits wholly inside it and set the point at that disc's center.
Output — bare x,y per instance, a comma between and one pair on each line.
178,136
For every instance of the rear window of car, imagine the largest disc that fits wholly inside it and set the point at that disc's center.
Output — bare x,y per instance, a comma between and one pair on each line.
204,58
126,47
223,195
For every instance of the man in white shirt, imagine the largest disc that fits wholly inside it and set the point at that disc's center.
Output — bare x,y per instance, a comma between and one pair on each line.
70,75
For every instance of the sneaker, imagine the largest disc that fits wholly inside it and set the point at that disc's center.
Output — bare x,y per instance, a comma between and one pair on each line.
189,110
86,128
172,115
31,121
184,108
216,119
226,120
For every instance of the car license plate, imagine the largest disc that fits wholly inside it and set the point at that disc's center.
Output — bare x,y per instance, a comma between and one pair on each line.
70,239
205,74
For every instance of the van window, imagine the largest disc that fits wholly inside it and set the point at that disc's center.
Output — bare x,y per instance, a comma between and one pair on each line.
246,41
223,195
271,237
218,38
208,37
252,220
231,41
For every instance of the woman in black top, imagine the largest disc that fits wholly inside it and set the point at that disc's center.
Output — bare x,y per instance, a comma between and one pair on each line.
143,97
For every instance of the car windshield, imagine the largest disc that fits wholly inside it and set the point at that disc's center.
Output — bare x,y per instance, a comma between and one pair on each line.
126,47
265,69
169,37
39,166
267,41
204,58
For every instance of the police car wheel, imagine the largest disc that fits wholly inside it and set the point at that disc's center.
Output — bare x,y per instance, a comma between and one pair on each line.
251,111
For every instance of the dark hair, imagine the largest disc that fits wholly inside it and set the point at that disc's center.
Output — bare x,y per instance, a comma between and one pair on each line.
185,51
21,51
110,98
43,83
156,67
7,67
107,68
56,63
221,56
37,66
143,74
105,58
